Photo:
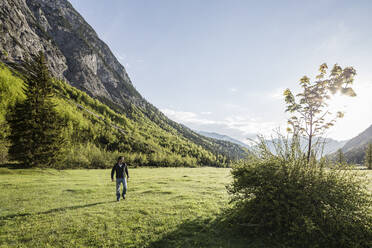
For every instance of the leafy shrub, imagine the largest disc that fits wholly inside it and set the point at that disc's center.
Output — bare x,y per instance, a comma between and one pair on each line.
301,204
89,156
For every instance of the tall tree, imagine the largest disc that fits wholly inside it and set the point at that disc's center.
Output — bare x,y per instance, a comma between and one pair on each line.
36,128
368,156
310,115
340,157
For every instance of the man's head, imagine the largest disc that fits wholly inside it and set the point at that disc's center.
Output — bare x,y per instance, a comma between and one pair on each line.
121,159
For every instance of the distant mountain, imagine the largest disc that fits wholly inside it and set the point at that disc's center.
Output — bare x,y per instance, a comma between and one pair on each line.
324,146
222,137
330,145
354,149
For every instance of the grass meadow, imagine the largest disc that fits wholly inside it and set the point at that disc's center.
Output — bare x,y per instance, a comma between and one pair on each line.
165,207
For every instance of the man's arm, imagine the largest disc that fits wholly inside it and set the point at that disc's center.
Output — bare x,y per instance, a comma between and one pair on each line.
126,171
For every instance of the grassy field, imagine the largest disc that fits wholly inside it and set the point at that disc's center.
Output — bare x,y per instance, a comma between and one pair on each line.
165,207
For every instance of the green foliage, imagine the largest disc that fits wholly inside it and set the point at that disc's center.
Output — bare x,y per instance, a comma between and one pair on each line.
340,157
368,156
300,205
10,93
310,114
110,128
36,128
89,156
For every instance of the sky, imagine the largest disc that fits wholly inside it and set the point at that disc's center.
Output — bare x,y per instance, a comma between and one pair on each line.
222,66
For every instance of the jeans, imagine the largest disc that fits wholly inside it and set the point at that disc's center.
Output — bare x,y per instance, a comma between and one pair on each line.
120,181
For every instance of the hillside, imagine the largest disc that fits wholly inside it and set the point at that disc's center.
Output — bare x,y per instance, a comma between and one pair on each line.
77,55
96,133
354,149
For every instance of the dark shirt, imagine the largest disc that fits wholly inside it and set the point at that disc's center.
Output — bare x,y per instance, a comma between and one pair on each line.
119,170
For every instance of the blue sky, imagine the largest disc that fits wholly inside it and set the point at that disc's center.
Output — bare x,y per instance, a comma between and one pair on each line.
222,65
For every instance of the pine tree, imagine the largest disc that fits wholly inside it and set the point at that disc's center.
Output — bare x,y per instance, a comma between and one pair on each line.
36,128
340,157
368,156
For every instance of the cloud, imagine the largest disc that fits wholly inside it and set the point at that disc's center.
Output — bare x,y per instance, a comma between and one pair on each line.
186,117
276,94
233,90
238,127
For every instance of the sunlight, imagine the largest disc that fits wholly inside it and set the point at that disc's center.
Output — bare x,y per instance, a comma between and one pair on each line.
357,111
339,102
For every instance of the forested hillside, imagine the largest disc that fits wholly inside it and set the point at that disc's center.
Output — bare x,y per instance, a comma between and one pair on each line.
355,148
97,133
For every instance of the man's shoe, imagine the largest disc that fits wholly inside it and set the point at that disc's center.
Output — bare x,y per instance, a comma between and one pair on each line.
123,197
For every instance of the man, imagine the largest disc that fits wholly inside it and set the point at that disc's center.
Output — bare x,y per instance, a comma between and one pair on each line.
120,168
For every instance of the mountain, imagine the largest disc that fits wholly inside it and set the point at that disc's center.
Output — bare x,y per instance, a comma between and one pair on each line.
330,145
76,55
324,146
222,137
354,149
73,48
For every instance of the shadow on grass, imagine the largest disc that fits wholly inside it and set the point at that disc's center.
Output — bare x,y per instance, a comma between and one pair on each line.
206,233
14,166
54,210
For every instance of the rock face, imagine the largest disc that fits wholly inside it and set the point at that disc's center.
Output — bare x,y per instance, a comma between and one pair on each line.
73,49
22,36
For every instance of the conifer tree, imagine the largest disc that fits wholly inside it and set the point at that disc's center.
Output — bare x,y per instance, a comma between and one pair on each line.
36,128
368,156
340,157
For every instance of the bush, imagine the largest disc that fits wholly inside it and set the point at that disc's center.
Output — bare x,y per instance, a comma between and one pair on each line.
89,156
3,151
301,204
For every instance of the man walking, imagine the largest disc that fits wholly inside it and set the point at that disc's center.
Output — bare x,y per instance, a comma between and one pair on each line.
120,168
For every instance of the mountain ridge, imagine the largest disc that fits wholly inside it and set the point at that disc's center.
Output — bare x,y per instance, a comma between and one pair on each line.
222,137
354,149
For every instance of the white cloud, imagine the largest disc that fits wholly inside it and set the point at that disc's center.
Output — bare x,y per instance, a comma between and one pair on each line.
277,94
233,90
186,117
238,127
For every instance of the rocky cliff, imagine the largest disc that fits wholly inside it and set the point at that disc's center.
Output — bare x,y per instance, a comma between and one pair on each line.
73,48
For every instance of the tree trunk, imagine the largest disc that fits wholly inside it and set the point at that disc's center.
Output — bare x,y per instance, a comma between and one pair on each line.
310,137
309,149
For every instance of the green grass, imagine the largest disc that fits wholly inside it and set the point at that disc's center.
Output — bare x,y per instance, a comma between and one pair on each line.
165,207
